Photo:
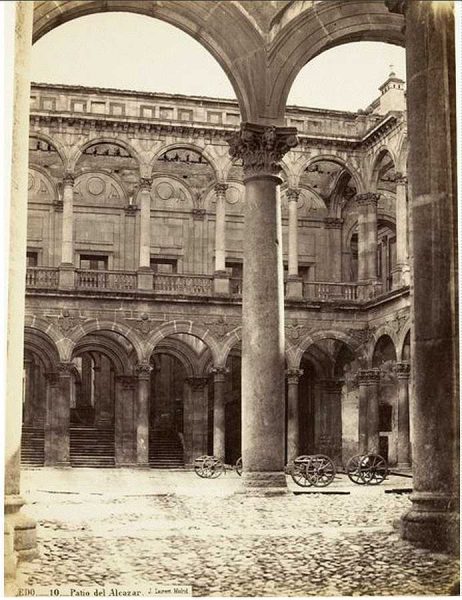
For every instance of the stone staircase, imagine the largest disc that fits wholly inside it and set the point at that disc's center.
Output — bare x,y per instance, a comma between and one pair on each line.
165,450
91,447
32,447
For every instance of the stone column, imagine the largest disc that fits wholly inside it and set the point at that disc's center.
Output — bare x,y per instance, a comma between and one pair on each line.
261,148
57,450
294,283
28,406
293,377
368,410
431,112
66,268
400,273
195,419
333,226
125,421
221,279
143,370
403,371
219,411
367,236
19,530
145,279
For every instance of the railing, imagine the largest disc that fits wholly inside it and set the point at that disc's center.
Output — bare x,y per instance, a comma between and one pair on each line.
315,290
106,280
201,285
235,287
42,277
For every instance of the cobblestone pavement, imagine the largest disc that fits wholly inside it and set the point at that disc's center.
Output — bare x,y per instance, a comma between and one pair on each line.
114,528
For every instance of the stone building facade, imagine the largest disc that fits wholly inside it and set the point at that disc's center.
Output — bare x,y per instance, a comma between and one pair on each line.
134,280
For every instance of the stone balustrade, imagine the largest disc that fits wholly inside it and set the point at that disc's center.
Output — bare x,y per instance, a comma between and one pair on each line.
185,284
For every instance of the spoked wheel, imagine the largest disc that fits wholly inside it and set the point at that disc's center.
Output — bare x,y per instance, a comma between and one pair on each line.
367,469
300,471
320,470
238,466
208,467
353,469
374,469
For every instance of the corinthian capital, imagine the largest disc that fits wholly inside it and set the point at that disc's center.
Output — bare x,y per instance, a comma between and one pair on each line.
293,194
368,198
261,147
68,178
220,189
145,184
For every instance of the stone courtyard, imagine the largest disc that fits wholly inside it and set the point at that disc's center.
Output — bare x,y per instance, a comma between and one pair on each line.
99,528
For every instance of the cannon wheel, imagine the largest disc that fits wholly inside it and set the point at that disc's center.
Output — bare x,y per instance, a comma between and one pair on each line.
321,470
300,471
208,467
238,466
367,469
374,470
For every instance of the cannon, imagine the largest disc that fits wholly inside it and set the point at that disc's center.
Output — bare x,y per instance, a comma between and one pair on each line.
315,470
367,469
208,467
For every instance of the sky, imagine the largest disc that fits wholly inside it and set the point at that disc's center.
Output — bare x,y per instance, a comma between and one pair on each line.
135,52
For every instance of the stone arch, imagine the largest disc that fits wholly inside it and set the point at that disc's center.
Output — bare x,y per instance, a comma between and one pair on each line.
107,346
116,141
321,361
42,345
323,334
320,26
402,153
355,174
178,326
55,143
232,338
94,325
215,30
180,351
401,339
46,328
382,335
188,146
80,174
50,181
382,151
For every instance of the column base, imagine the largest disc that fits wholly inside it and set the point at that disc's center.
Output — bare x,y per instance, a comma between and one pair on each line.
58,464
269,483
404,466
143,465
23,530
432,522
294,287
144,278
221,283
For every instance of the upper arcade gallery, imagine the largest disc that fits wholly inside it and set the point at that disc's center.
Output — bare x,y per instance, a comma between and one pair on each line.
262,46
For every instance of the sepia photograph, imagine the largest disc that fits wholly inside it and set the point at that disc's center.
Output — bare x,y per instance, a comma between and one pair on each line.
231,362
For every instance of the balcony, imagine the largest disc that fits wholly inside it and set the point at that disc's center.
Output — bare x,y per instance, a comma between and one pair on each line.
48,278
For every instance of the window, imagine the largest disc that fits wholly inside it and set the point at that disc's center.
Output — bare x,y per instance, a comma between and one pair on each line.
164,265
93,262
234,269
32,259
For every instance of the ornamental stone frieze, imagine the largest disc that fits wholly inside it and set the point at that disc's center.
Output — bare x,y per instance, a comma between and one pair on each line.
65,322
144,325
261,148
220,328
295,331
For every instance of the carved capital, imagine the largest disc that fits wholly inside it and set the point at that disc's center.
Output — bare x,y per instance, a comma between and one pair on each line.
261,147
403,370
143,370
68,179
65,369
145,184
401,179
197,384
293,194
130,210
397,6
368,376
219,373
368,199
293,376
198,214
333,223
220,189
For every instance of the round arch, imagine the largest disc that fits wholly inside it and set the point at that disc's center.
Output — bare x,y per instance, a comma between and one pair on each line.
318,336
382,341
46,175
175,327
321,26
94,325
187,146
55,143
179,350
42,326
345,164
43,346
401,339
375,164
104,345
214,29
78,152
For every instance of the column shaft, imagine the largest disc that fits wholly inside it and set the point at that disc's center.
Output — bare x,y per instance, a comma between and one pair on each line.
403,415
219,413
362,417
57,450
220,228
293,426
292,198
145,225
142,415
67,248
